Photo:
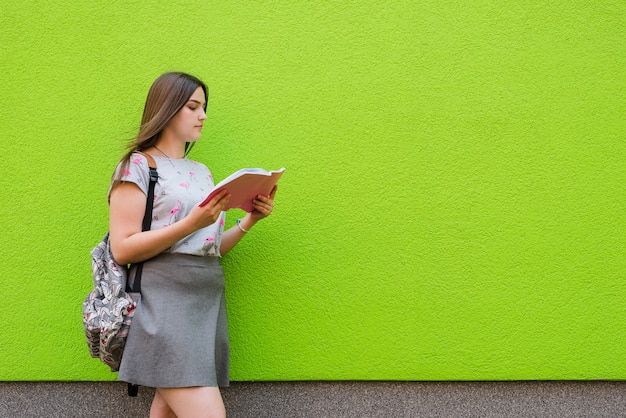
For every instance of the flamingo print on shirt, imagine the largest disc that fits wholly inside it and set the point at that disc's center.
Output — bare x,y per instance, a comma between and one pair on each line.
209,242
174,211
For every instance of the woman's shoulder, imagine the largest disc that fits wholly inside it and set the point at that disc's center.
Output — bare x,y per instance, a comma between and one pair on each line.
136,161
138,157
197,164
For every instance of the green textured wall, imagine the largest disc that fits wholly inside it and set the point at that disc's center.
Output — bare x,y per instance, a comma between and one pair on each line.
453,206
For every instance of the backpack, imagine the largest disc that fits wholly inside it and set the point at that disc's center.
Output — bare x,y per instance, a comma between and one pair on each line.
109,308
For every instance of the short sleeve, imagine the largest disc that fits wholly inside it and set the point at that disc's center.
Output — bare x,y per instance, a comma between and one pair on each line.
135,171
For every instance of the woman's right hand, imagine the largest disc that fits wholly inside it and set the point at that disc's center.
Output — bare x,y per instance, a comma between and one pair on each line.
203,216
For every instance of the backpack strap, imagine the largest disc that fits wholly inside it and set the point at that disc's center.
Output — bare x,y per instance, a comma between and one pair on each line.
132,389
147,217
154,177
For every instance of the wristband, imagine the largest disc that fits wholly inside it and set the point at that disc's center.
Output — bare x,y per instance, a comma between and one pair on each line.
241,227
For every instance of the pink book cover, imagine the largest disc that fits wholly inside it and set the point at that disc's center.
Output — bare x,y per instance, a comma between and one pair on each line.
245,185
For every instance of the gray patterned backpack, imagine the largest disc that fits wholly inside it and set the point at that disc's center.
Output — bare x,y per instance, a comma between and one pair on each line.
109,308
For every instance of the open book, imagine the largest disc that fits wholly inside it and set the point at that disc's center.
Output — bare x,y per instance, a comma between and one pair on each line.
245,185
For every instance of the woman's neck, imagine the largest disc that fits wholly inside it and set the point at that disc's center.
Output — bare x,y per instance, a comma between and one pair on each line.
169,150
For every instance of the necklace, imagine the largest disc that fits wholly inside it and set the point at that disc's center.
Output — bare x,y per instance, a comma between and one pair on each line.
158,149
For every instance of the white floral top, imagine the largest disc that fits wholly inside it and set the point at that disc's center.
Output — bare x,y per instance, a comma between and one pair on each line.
182,184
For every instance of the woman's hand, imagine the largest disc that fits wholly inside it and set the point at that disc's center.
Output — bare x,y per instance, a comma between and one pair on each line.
263,205
203,216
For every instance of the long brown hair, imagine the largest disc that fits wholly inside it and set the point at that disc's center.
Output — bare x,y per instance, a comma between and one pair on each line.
167,95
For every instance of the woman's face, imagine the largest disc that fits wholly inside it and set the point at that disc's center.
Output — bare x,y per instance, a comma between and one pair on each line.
187,124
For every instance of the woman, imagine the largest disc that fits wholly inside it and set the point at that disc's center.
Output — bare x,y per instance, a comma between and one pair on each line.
178,342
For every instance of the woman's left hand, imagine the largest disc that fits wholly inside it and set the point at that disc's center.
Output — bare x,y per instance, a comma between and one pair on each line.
263,205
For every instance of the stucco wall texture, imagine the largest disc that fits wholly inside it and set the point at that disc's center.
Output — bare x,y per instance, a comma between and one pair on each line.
453,206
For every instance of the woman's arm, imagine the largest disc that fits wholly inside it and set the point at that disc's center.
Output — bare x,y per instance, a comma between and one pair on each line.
130,245
263,207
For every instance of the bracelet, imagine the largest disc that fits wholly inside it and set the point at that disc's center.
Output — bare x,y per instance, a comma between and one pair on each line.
241,227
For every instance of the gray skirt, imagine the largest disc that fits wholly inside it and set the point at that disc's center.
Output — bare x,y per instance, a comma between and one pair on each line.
179,333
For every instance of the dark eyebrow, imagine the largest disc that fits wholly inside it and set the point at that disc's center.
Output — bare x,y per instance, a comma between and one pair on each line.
196,101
